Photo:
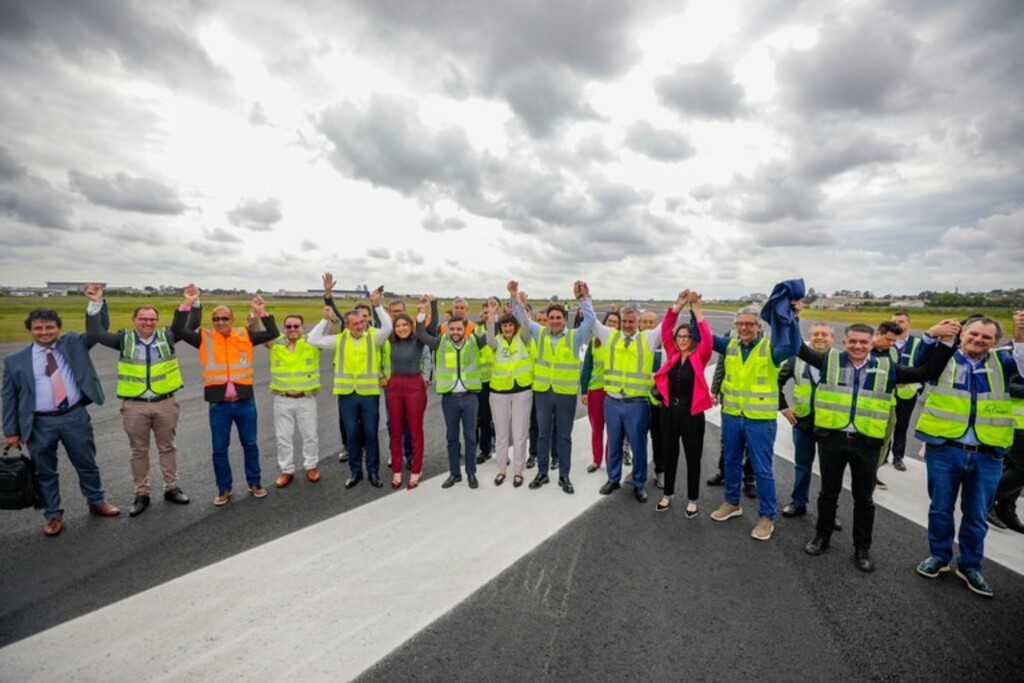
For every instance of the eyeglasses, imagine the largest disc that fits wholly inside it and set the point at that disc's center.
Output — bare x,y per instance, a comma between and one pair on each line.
293,327
683,337
146,320
745,324
221,319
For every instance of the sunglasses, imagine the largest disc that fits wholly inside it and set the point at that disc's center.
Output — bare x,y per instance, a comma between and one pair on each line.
221,318
293,327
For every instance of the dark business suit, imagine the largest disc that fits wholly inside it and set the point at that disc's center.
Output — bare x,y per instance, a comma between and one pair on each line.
42,433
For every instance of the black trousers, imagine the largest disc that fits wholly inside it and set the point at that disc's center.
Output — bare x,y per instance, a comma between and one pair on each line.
904,411
1013,472
678,425
484,421
836,451
657,442
748,469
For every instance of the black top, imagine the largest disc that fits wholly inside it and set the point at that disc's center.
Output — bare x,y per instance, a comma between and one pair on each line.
680,385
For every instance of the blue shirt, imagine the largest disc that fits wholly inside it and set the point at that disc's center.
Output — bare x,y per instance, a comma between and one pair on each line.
44,387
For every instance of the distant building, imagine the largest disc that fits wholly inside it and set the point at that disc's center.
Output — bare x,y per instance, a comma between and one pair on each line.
836,303
908,303
66,288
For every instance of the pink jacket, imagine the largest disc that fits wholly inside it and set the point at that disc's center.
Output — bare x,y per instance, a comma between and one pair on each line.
698,358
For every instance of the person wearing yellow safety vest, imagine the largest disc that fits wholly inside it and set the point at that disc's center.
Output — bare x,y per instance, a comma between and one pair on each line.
967,426
556,379
805,443
909,349
484,418
358,371
750,401
628,380
1004,511
883,345
511,392
147,377
592,388
457,381
226,356
851,418
294,382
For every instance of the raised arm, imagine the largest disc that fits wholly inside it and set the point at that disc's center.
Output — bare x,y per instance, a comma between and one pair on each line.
586,328
269,331
180,323
945,331
318,336
530,328
95,312
421,332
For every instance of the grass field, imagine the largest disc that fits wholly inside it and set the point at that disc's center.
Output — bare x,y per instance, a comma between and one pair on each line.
72,309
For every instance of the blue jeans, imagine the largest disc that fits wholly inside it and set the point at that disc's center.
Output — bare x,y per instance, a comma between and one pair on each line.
630,419
361,415
804,446
243,414
757,437
974,476
554,412
460,409
74,430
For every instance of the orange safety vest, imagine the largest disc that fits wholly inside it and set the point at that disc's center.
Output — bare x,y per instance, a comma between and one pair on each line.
226,359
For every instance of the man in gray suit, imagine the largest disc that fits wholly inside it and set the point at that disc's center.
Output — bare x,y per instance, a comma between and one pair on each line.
46,387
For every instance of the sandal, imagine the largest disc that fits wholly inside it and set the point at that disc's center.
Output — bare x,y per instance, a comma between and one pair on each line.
499,479
663,504
396,481
414,481
517,480
691,510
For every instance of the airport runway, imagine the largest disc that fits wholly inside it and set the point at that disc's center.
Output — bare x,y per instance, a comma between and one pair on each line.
320,583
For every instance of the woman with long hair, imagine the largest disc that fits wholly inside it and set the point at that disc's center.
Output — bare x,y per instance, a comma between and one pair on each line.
684,394
406,381
511,392
592,391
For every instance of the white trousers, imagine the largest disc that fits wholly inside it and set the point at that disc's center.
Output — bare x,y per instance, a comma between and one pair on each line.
290,413
511,416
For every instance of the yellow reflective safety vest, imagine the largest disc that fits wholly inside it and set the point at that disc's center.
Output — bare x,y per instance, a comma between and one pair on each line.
557,369
835,403
485,360
750,387
630,370
599,353
947,410
160,374
1018,412
357,365
294,371
513,364
908,391
803,390
451,363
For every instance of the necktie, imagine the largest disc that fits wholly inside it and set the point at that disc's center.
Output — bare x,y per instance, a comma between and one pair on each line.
60,392
629,340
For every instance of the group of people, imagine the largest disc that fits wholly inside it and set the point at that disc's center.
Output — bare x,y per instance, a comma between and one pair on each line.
507,371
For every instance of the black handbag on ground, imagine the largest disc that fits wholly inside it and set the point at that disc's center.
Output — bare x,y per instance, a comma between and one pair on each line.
17,482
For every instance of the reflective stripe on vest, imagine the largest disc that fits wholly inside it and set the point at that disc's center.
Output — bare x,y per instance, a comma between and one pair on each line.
600,356
297,370
750,387
803,389
161,375
947,411
448,362
834,403
908,391
226,359
629,371
1017,405
485,359
558,369
513,365
356,365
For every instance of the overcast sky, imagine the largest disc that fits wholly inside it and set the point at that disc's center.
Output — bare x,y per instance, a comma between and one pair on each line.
449,145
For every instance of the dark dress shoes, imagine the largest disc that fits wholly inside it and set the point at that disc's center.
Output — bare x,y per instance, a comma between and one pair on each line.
451,481
794,510
473,483
53,526
353,480
838,526
139,506
104,509
639,494
716,480
750,490
610,486
176,496
566,485
531,462
817,545
375,481
539,481
862,558
1006,512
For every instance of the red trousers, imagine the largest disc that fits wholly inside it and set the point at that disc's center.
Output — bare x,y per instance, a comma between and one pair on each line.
407,402
595,411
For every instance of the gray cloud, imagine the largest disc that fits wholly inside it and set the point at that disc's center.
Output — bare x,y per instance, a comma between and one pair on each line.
378,253
10,168
32,200
308,245
131,233
863,63
544,98
593,149
221,235
701,90
410,256
257,115
658,143
791,234
434,223
772,193
837,149
122,191
258,215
